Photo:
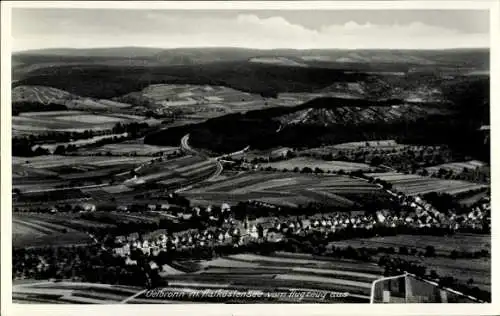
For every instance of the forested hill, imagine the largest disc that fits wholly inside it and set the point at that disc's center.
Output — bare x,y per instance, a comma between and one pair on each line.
108,81
334,120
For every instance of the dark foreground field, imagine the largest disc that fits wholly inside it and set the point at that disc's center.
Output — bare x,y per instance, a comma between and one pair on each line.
276,278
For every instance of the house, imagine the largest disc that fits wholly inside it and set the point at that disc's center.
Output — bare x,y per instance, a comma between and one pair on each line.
153,265
197,211
130,262
120,239
253,232
119,252
122,208
225,207
274,237
133,237
88,207
380,217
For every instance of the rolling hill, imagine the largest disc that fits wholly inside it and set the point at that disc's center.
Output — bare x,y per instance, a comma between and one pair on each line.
417,96
337,120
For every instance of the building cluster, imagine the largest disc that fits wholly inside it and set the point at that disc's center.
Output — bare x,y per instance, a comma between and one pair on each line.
232,232
425,215
324,223
223,229
180,241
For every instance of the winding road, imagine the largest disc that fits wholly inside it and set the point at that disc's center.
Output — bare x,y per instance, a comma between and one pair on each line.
188,149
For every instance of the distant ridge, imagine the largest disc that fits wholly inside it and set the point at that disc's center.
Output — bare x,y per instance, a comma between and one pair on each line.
150,51
96,52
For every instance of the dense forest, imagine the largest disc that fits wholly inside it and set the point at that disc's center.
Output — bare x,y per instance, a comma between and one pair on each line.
101,81
457,128
21,107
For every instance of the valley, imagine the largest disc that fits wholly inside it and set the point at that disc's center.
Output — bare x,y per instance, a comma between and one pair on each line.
246,170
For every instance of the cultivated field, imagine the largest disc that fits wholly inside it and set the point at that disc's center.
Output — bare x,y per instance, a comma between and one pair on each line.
52,172
45,292
282,272
287,189
63,228
81,142
45,162
302,162
457,166
133,147
462,269
443,245
415,184
41,94
379,144
198,101
469,200
49,230
48,95
67,121
176,172
479,270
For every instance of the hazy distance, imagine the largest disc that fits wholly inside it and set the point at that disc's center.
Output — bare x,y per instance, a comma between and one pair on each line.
343,29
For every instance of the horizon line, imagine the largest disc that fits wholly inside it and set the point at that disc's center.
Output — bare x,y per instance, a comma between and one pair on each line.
246,48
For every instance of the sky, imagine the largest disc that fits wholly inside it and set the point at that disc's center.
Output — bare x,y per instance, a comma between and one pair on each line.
262,29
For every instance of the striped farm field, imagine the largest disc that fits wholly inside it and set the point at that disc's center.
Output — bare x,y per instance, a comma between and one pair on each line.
129,148
51,161
70,292
302,162
458,166
282,272
71,121
287,189
31,231
38,230
53,172
177,172
233,274
415,184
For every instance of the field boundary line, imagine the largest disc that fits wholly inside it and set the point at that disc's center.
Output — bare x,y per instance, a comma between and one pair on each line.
132,297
